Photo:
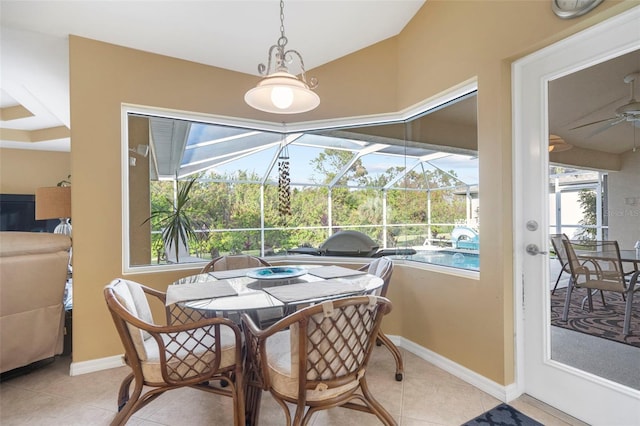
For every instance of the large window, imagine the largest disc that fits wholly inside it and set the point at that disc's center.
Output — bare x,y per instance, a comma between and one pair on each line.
409,185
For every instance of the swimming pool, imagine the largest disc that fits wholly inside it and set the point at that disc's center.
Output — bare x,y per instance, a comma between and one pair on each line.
454,259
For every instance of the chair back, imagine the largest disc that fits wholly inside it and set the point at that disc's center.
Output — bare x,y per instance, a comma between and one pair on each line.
332,341
596,264
383,268
238,261
316,358
128,305
557,240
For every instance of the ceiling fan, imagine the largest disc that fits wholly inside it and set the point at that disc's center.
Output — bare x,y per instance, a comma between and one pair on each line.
628,112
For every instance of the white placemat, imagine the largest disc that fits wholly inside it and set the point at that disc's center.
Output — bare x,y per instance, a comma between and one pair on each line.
334,271
200,290
313,290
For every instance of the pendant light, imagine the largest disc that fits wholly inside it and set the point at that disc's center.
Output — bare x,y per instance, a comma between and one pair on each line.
281,92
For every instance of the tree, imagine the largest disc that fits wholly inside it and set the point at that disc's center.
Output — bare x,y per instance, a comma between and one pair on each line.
587,200
232,201
331,161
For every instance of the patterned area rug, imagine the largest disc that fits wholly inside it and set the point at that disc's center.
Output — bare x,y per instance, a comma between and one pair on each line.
604,321
503,415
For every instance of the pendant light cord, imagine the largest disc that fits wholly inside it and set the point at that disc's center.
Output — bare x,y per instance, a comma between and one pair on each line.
282,19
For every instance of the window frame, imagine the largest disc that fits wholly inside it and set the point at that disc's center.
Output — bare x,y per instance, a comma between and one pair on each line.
464,89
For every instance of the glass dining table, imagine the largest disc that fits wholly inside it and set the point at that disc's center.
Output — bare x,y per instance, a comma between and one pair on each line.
631,256
251,290
627,257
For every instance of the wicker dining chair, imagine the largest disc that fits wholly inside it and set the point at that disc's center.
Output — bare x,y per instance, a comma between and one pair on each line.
235,261
599,267
317,357
383,268
205,355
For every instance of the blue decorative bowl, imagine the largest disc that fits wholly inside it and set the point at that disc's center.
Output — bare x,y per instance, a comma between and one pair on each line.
276,273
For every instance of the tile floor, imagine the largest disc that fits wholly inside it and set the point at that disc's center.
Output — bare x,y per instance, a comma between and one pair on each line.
426,396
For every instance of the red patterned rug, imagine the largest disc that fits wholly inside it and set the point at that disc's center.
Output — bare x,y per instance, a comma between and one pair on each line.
604,321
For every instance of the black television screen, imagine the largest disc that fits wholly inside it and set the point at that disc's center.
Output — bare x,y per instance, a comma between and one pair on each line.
18,213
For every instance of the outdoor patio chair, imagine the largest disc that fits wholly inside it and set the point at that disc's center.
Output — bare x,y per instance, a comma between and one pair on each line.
383,268
561,254
205,355
317,357
598,266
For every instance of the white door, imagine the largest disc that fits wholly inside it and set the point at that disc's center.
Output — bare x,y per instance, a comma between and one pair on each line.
590,398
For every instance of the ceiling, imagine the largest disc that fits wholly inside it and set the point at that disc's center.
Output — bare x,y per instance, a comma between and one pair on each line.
231,34
439,140
235,35
593,94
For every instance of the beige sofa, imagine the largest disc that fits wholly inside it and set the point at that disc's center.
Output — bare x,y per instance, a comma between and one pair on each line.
33,273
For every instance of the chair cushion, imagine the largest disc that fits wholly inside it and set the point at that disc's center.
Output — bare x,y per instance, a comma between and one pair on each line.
377,267
236,262
132,297
282,363
380,268
189,365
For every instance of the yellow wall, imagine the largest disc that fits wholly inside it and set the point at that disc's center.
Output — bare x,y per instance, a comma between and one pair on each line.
22,170
140,199
468,321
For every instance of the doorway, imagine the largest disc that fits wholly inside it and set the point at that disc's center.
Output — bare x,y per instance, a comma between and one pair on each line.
581,394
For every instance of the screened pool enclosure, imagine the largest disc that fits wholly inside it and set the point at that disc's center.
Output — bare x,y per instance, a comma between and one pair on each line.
412,184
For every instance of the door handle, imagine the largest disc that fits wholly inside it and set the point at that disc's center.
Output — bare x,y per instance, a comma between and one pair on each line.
533,250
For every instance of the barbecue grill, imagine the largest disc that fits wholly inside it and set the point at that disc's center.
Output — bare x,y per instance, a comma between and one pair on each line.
351,244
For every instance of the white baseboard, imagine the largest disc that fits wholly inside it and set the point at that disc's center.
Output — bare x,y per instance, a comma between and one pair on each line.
503,393
84,367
